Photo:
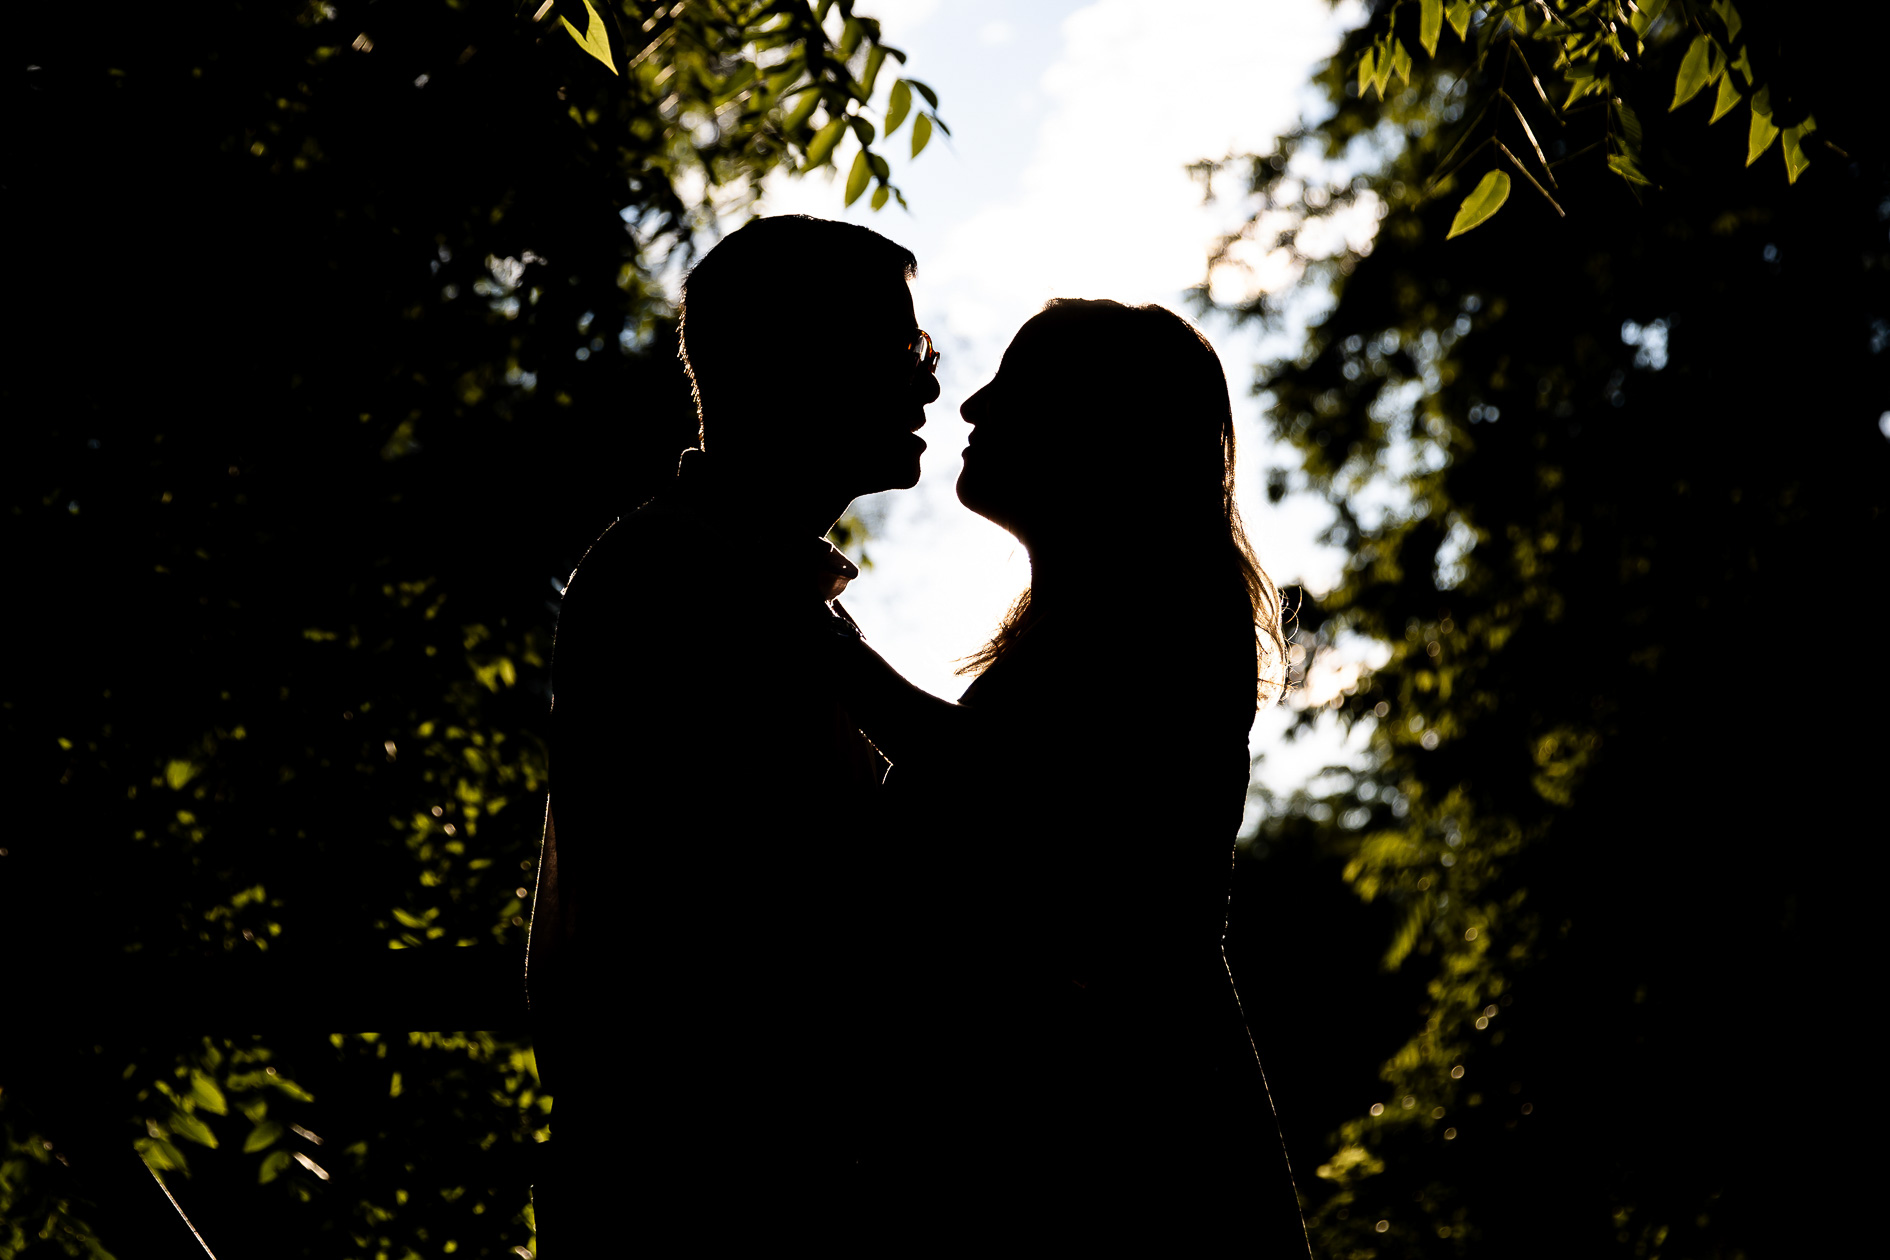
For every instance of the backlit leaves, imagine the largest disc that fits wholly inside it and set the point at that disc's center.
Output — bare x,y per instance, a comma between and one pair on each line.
593,38
1795,159
858,177
1594,56
898,104
1695,70
262,1137
192,1129
160,1156
1762,132
824,140
1431,25
1484,200
205,1094
1458,15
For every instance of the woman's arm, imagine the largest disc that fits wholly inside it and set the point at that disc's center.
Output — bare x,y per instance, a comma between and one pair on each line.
905,722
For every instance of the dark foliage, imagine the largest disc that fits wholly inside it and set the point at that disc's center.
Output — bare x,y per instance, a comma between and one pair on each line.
337,345
1611,834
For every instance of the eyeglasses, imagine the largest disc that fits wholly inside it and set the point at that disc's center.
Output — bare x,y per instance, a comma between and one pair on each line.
924,353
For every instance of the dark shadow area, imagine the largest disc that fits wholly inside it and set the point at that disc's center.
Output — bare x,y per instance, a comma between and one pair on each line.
319,397
1615,825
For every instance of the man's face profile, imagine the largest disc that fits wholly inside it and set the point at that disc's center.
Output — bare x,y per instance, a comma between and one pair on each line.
882,396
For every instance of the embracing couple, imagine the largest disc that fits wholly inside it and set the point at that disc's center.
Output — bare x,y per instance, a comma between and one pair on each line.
818,958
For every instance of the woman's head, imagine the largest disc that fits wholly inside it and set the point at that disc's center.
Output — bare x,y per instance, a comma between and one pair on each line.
1107,422
1102,417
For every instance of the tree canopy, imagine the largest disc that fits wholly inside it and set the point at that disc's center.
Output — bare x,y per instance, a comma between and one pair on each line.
1611,475
343,333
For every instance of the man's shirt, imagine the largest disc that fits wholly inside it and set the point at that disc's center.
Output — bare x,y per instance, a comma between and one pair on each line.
709,885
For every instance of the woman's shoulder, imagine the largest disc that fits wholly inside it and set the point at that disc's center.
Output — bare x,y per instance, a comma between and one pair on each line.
1127,678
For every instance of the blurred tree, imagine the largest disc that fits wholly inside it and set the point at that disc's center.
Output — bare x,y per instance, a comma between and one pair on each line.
1614,487
342,332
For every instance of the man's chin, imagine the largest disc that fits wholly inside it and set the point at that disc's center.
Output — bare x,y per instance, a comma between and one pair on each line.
898,474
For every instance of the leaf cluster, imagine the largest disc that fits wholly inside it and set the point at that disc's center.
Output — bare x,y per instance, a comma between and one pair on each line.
300,470
769,76
1592,55
1555,453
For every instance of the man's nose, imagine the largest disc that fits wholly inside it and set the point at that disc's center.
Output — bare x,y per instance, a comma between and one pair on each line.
928,390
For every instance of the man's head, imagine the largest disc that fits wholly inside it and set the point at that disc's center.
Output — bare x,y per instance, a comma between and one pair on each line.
797,335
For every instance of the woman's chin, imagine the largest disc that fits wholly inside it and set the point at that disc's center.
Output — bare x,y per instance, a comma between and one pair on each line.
974,494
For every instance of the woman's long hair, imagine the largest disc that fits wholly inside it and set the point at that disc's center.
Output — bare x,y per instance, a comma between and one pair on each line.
1161,369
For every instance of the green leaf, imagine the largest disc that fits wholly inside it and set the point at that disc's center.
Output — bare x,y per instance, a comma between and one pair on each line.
1400,62
880,196
160,1156
1646,15
863,129
850,36
1430,25
1624,165
898,105
1694,72
290,1088
1381,75
921,133
1762,133
1728,97
931,97
1795,159
178,773
1743,64
191,1129
1630,127
272,1166
810,101
874,60
1581,86
1730,16
1367,70
594,40
205,1094
857,177
1484,200
1458,15
822,144
262,1137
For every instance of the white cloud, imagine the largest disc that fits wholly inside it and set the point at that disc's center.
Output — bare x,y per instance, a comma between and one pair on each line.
898,17
996,33
1106,207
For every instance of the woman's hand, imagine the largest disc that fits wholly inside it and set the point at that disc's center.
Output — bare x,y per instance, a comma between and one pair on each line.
904,722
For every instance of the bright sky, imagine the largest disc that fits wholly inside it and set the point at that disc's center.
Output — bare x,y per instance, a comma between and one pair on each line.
1072,125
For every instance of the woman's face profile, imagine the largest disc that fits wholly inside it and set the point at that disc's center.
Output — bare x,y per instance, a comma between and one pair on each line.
1017,461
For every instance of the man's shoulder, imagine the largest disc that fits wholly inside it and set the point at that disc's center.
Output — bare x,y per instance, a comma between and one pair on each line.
655,542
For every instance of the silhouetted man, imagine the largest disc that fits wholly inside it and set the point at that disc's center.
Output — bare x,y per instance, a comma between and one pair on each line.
705,918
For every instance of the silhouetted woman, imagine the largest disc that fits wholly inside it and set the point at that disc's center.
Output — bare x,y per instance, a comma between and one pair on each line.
1082,1065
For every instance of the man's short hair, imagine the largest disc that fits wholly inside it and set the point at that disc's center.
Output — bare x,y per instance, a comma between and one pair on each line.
762,279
